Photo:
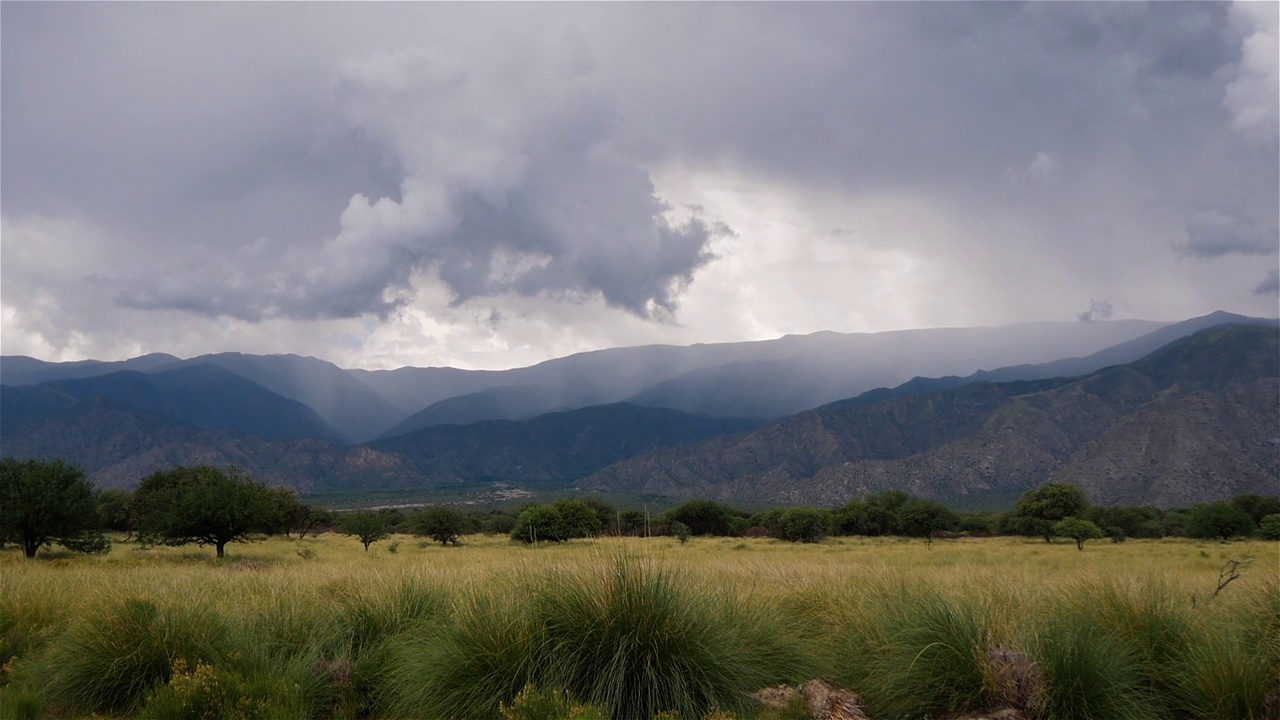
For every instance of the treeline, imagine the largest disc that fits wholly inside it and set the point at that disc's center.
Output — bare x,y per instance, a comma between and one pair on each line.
44,503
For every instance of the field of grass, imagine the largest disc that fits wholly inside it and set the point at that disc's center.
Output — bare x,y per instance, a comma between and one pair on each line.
631,628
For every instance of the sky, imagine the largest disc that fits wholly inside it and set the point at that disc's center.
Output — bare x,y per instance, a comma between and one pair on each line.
492,185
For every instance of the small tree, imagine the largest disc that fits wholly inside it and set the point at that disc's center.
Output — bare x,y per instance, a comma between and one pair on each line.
440,523
44,502
1077,529
201,504
369,527
925,518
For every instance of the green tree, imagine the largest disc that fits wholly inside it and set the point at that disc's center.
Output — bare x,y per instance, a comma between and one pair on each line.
1039,510
925,518
704,517
539,523
1222,519
369,527
579,519
288,512
806,524
201,504
606,513
1258,506
43,502
440,523
115,507
1077,529
1269,528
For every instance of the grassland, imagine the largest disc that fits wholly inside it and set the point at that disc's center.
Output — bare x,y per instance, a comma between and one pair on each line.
635,627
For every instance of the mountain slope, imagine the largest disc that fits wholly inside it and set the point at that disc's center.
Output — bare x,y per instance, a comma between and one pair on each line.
568,444
501,403
1209,400
204,396
23,370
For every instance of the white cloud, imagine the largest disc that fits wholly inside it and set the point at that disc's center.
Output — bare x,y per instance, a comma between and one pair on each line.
1253,96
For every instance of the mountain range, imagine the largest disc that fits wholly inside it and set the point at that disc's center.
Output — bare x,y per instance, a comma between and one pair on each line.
946,413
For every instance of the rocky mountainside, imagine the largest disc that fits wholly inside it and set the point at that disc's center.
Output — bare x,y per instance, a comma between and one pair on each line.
204,396
1198,419
118,444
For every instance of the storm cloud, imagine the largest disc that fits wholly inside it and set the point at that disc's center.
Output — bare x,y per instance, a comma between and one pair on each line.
492,185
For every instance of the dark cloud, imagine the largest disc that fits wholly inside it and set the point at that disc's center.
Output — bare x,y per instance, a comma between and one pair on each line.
254,165
1098,310
1215,233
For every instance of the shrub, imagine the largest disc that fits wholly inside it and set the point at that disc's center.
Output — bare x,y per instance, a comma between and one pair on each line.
1269,528
208,693
534,704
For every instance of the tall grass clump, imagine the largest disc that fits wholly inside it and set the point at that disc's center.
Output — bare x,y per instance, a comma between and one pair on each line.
108,661
369,612
1155,625
1223,679
926,656
466,665
638,640
1090,674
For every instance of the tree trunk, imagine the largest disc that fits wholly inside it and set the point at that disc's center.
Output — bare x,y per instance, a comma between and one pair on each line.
221,549
30,547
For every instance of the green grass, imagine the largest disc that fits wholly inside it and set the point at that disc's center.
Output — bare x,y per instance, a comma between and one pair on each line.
629,628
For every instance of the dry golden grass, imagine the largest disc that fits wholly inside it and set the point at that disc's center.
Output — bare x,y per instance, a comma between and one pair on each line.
289,592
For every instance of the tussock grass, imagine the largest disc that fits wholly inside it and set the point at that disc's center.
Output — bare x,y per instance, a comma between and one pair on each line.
632,626
108,662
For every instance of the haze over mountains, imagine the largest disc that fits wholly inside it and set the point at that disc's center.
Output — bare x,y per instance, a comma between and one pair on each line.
931,411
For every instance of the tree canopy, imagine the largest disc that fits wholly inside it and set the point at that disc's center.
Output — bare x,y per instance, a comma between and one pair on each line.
1077,529
43,502
369,527
1039,510
201,504
440,523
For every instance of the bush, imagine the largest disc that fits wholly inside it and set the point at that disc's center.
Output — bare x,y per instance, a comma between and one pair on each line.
1269,528
535,704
